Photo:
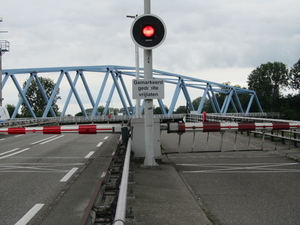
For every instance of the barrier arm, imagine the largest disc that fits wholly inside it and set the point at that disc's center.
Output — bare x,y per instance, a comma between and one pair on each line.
80,129
182,127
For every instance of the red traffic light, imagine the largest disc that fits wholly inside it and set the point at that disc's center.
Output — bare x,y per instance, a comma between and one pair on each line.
148,31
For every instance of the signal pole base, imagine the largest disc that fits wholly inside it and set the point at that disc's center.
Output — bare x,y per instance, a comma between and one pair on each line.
139,139
149,162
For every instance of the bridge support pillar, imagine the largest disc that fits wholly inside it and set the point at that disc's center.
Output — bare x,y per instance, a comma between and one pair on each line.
138,138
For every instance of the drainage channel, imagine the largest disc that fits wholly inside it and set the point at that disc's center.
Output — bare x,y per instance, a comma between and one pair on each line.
103,203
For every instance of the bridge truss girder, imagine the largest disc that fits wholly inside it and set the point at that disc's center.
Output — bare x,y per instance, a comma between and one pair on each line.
119,77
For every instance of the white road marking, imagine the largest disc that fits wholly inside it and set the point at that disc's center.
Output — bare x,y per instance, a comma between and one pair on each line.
2,139
36,167
6,156
103,174
105,138
15,149
51,139
19,135
69,174
243,168
43,140
30,214
100,143
89,155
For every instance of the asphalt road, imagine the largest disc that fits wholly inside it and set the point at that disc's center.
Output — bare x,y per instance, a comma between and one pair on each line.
48,179
242,187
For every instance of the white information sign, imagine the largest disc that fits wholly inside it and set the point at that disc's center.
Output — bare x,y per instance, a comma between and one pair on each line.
148,89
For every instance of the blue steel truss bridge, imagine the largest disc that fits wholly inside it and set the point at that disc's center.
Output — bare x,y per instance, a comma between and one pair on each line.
90,86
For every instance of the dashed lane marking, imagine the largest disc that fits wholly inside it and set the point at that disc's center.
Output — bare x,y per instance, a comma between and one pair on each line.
89,155
100,143
69,174
30,214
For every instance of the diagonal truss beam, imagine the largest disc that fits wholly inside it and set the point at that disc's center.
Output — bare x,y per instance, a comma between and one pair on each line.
117,79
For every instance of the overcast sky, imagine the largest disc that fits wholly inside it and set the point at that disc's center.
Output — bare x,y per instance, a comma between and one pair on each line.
214,40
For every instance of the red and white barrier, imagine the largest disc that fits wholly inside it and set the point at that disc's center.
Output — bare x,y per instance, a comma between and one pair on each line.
172,128
218,127
81,129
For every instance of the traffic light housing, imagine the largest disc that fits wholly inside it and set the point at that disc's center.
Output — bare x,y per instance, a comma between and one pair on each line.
148,31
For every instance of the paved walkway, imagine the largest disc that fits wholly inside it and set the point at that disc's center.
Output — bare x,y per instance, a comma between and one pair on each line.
161,196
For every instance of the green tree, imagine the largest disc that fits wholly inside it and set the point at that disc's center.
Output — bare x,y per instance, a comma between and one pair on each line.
295,75
10,109
36,100
100,109
269,80
206,107
79,114
122,110
113,111
290,107
181,109
157,110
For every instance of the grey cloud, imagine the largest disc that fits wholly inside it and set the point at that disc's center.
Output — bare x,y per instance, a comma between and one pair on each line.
201,34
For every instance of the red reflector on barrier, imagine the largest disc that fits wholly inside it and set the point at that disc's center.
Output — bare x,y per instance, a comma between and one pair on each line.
16,130
52,130
211,127
204,116
246,126
181,127
87,129
281,126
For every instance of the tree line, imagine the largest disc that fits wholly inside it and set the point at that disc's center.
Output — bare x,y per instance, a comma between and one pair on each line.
272,82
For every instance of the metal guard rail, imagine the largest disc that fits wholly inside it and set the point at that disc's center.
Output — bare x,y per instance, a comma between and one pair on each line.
122,199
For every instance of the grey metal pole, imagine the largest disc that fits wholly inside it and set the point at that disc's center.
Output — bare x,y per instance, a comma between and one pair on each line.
137,73
1,71
147,7
137,70
0,77
149,129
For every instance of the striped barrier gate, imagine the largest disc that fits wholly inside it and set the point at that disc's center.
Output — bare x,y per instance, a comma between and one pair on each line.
174,127
80,129
218,127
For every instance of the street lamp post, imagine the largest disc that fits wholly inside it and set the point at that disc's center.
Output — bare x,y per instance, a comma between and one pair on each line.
137,71
4,47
